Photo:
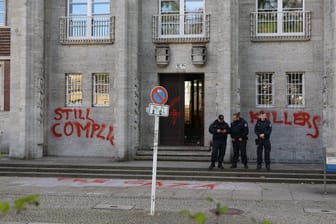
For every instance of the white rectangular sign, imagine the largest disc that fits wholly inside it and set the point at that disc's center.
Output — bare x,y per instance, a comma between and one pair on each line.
331,160
331,156
158,110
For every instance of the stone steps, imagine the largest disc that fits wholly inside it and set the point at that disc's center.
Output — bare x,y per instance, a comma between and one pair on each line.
180,153
164,173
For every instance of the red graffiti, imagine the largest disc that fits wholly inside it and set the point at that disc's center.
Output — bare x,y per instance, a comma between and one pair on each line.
298,119
174,114
208,186
74,125
143,183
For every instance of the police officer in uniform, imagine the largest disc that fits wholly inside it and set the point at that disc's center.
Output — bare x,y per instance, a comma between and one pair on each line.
220,129
239,132
263,130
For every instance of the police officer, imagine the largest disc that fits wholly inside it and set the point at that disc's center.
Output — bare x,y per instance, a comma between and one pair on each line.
239,132
220,129
263,130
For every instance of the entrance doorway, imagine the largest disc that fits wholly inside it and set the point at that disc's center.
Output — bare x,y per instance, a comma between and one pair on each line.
185,124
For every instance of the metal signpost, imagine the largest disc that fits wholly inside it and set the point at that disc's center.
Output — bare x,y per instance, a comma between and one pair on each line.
159,97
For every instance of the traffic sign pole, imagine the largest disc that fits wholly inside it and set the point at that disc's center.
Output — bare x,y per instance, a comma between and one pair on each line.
159,97
155,151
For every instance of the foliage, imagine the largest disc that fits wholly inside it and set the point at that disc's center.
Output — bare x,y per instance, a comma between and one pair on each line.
266,222
219,209
20,203
201,218
198,217
4,207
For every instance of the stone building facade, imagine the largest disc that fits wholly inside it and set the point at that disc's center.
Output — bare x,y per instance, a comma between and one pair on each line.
79,73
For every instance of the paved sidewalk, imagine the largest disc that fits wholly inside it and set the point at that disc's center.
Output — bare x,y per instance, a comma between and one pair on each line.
78,200
75,201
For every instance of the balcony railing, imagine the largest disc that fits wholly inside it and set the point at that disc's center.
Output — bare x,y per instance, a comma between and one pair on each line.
290,25
192,27
87,29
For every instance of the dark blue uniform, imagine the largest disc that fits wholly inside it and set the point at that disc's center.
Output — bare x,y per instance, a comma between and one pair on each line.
219,142
239,132
263,127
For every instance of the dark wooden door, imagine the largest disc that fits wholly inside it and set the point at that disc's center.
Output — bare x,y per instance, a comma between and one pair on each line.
172,127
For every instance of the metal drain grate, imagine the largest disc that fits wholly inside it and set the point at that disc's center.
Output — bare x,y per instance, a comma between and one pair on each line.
113,206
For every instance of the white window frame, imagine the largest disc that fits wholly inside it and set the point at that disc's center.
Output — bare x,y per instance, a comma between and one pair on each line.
297,83
279,20
104,86
271,74
4,13
89,17
181,15
68,90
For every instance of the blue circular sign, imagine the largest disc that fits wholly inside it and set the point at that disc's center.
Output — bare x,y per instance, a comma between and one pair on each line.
159,95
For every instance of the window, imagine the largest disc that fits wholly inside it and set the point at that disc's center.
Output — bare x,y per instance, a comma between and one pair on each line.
101,89
73,89
89,18
280,16
182,17
295,90
2,12
264,89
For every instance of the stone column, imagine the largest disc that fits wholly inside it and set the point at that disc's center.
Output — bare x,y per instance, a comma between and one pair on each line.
133,94
26,19
329,79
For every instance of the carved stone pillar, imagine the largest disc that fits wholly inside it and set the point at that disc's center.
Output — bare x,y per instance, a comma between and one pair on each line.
27,78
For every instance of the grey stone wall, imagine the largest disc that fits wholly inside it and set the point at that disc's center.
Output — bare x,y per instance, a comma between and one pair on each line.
329,80
119,60
289,141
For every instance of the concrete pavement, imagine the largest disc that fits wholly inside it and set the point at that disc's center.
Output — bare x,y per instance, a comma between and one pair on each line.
75,201
96,200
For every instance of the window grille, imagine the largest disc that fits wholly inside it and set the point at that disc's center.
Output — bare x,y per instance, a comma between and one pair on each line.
264,89
73,89
280,19
295,89
101,89
181,20
87,21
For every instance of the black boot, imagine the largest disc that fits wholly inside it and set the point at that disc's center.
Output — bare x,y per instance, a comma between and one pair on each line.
245,166
234,166
268,167
258,167
220,166
212,165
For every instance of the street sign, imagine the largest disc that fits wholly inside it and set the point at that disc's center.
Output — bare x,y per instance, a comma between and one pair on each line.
159,95
158,110
329,164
